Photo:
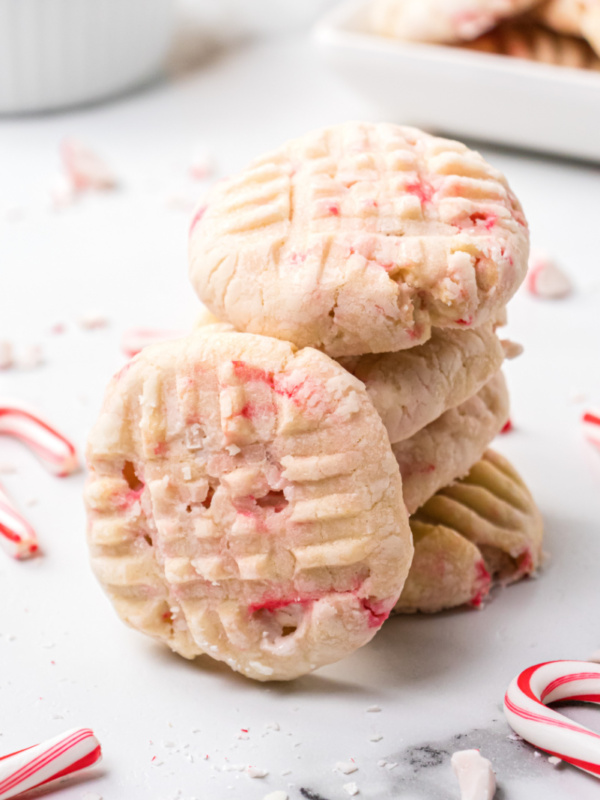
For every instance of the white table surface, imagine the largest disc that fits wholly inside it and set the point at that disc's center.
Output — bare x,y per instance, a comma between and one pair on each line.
65,658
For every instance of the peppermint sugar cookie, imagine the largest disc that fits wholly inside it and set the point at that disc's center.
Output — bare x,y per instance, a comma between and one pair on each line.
244,503
446,449
483,528
577,17
360,238
441,21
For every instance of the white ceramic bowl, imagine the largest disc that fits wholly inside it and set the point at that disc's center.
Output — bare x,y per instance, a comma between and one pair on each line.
56,53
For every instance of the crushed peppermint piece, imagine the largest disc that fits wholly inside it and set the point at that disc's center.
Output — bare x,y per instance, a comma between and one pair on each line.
391,765
201,165
375,737
272,726
31,357
6,355
373,709
351,788
476,778
345,767
92,320
515,737
554,760
545,279
85,169
279,795
256,772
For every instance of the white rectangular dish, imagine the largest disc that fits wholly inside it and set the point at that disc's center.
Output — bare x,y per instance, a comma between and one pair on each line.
469,94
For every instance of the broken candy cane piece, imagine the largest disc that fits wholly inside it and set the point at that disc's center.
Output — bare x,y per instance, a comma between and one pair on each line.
54,450
56,758
17,536
591,426
546,280
135,339
475,775
84,168
553,681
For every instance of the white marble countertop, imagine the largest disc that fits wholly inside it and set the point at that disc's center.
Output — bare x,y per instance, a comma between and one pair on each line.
65,658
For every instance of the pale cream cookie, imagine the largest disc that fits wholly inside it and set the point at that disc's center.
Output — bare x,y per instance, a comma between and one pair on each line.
483,528
244,503
360,238
441,21
575,17
533,42
447,448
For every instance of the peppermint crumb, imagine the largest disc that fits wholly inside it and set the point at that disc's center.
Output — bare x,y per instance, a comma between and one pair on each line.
31,357
345,767
373,709
257,772
351,788
279,795
555,760
391,765
537,753
92,320
6,355
375,737
515,737
382,762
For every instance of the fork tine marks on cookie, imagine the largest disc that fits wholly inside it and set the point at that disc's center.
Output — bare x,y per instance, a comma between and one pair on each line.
56,758
53,449
17,536
525,709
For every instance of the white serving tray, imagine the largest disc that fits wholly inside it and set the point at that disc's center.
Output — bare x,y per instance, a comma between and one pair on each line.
469,94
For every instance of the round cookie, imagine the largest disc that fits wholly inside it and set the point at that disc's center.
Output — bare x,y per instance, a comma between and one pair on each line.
358,239
534,42
483,528
441,21
446,449
576,17
243,502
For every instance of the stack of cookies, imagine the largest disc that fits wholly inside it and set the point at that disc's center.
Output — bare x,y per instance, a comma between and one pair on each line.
269,489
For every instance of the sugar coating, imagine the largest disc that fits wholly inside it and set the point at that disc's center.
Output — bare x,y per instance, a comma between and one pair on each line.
485,527
447,448
283,554
358,239
441,21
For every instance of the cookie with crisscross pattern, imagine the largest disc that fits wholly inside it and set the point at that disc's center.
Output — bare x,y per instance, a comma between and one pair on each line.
244,503
360,238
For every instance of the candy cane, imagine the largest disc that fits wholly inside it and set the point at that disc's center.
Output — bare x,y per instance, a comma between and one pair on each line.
56,758
51,447
136,339
591,426
525,709
17,536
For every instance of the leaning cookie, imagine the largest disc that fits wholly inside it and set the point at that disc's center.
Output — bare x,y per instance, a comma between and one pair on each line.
244,503
483,528
446,449
360,238
441,21
575,17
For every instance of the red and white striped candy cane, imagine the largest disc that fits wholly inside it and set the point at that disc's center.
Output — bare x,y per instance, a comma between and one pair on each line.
53,449
591,426
17,536
135,339
56,758
525,709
